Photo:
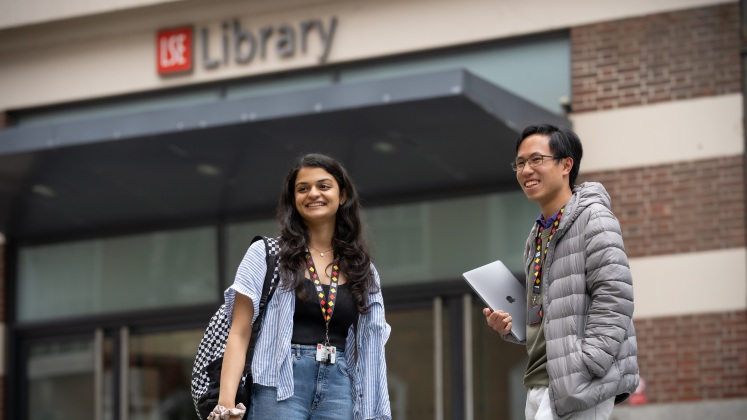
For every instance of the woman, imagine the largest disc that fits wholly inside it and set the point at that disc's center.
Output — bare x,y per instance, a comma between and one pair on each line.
320,351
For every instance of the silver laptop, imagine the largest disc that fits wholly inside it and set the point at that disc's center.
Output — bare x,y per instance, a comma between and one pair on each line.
499,289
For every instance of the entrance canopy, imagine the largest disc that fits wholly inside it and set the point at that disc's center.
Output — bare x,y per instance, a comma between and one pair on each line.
402,139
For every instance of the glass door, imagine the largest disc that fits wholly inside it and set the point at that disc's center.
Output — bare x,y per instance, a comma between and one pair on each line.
410,364
69,378
498,372
160,369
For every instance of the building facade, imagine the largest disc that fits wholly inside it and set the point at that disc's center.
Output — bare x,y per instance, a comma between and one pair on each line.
144,143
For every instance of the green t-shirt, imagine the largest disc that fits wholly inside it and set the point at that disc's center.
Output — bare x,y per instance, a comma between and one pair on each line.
536,373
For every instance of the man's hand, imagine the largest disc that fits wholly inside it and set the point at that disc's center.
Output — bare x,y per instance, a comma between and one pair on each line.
498,320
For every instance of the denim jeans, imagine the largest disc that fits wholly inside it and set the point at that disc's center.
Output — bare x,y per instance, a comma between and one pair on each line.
321,391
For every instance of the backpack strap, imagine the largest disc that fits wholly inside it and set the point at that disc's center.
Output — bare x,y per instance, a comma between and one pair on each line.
268,289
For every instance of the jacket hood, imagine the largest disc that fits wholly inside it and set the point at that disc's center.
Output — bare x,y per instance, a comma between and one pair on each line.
587,194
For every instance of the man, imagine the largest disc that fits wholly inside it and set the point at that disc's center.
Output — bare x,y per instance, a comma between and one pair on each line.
580,337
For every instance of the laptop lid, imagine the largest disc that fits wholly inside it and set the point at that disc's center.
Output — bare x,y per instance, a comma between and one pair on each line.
500,290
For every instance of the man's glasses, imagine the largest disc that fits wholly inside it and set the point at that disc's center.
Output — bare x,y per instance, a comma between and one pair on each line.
534,161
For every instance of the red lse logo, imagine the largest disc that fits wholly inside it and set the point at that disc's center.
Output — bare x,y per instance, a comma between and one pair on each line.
174,50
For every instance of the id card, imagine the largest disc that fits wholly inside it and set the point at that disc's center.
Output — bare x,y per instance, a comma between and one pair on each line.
535,314
327,354
321,353
332,354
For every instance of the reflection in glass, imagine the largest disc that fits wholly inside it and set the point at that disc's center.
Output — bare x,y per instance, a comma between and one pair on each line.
410,361
498,372
61,380
153,270
159,375
238,238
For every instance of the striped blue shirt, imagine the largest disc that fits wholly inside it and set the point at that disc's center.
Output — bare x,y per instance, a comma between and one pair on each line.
272,365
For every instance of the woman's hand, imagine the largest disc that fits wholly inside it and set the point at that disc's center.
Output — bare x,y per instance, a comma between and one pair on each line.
222,413
498,320
234,357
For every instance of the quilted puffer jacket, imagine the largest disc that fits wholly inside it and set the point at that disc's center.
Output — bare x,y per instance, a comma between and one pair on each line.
588,306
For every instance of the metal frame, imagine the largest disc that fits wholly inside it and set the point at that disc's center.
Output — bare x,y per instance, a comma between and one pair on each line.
456,295
438,358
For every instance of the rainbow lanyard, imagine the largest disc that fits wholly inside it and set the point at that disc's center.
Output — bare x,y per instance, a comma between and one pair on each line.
327,305
539,257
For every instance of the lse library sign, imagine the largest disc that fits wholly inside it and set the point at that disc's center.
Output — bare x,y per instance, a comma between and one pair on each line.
175,47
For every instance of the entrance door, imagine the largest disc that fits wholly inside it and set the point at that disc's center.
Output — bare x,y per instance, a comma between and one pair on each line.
69,378
411,359
160,369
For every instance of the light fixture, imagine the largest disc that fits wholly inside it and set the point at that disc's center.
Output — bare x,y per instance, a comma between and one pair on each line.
43,191
383,147
208,170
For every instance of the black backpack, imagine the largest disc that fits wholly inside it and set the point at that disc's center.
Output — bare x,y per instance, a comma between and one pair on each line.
209,360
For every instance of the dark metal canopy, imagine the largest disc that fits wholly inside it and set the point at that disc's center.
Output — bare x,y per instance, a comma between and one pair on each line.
432,135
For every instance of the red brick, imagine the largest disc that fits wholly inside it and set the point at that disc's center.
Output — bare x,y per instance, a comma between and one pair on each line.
662,57
689,366
651,214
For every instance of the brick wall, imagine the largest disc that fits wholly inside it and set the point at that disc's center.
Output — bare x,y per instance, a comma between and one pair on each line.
663,57
655,205
693,357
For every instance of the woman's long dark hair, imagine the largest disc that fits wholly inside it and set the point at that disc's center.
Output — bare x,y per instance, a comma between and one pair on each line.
348,241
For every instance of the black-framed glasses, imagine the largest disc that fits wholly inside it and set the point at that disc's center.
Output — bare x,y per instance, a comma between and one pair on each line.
533,161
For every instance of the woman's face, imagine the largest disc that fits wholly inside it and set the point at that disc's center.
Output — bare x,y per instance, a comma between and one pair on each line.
317,195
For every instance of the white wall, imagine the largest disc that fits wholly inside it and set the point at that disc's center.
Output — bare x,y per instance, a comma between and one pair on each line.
663,133
114,53
28,12
691,283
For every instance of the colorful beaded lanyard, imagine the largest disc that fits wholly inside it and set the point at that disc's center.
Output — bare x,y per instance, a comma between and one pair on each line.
539,256
328,305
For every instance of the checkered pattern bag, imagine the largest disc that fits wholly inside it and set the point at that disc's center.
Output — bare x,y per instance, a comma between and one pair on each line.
206,370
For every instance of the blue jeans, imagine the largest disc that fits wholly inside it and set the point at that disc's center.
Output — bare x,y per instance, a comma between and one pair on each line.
321,391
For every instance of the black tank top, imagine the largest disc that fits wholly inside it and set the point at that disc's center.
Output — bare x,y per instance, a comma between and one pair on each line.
308,323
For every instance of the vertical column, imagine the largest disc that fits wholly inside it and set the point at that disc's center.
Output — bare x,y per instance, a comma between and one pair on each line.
456,359
438,359
3,307
98,374
469,406
124,373
3,297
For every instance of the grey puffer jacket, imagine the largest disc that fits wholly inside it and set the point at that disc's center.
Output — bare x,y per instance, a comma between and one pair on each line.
588,306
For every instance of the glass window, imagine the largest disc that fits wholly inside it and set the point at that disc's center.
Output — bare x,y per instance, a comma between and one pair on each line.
439,240
410,364
160,375
154,270
239,236
427,241
498,372
399,240
61,380
509,64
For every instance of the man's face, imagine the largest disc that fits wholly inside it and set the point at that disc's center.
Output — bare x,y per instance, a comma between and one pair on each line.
543,183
